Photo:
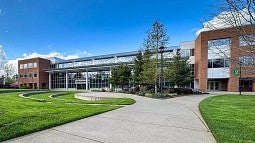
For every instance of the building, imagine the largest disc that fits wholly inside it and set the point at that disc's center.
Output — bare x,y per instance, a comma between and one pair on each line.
214,57
220,53
32,73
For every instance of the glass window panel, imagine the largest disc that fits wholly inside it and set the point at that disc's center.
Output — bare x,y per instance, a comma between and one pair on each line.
210,63
247,40
35,65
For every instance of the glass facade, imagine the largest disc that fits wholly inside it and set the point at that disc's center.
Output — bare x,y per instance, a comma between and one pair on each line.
94,73
77,80
218,53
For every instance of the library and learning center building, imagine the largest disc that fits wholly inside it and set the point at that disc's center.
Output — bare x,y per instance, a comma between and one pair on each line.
217,59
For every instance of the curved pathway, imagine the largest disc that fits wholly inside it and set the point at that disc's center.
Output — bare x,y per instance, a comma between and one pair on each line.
175,120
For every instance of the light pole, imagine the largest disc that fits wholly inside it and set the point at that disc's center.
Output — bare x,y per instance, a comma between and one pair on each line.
161,50
32,80
240,78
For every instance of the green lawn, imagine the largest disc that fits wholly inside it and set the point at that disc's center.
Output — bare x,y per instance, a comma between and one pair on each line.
231,118
20,116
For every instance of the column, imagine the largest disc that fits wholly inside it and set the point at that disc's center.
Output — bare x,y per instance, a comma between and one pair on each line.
110,75
49,80
86,76
66,80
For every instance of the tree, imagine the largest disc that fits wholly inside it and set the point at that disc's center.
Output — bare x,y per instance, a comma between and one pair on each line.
178,71
156,37
240,15
9,73
121,75
148,73
138,69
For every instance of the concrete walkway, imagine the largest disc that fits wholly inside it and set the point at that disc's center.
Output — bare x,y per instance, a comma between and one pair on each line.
175,120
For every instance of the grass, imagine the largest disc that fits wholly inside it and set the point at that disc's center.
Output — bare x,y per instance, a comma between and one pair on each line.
20,116
231,118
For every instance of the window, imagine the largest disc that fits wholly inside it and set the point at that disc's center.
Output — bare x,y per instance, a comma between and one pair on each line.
219,48
247,60
250,83
21,66
227,62
210,63
191,52
35,65
25,66
35,74
192,69
218,63
30,65
247,40
242,84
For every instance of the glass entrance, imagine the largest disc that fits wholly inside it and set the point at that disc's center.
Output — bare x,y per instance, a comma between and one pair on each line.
81,86
212,85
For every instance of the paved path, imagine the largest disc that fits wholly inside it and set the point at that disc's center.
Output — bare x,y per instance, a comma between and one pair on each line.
174,120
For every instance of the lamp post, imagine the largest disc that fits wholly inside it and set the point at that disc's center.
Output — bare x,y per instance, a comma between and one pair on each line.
31,74
161,50
240,78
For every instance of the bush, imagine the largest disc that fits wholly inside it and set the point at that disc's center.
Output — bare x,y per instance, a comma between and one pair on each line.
141,93
148,95
183,91
24,87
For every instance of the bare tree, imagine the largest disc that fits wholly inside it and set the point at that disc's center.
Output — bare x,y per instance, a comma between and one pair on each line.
238,17
9,70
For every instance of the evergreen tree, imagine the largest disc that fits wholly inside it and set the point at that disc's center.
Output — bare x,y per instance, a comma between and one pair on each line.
138,69
148,74
178,71
121,75
156,37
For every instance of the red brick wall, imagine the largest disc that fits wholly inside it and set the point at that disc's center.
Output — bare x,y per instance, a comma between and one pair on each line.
201,56
42,76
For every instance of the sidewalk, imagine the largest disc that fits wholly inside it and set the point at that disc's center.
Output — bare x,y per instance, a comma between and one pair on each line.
175,120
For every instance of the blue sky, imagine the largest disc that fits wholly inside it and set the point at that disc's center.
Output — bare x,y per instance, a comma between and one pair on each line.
94,27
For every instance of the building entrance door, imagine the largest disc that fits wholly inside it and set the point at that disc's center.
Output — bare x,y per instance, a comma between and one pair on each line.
81,86
212,85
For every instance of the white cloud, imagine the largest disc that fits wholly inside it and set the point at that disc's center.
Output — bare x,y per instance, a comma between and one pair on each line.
2,54
64,56
227,19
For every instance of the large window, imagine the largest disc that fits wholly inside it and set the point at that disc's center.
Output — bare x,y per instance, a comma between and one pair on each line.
247,40
218,63
219,48
247,60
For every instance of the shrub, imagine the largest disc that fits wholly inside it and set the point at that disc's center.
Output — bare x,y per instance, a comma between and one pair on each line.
141,93
148,95
183,91
24,87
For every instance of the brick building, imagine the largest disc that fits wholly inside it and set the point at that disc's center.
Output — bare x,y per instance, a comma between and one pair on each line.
220,53
32,73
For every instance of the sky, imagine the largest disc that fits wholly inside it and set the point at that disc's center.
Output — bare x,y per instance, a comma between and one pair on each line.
93,27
